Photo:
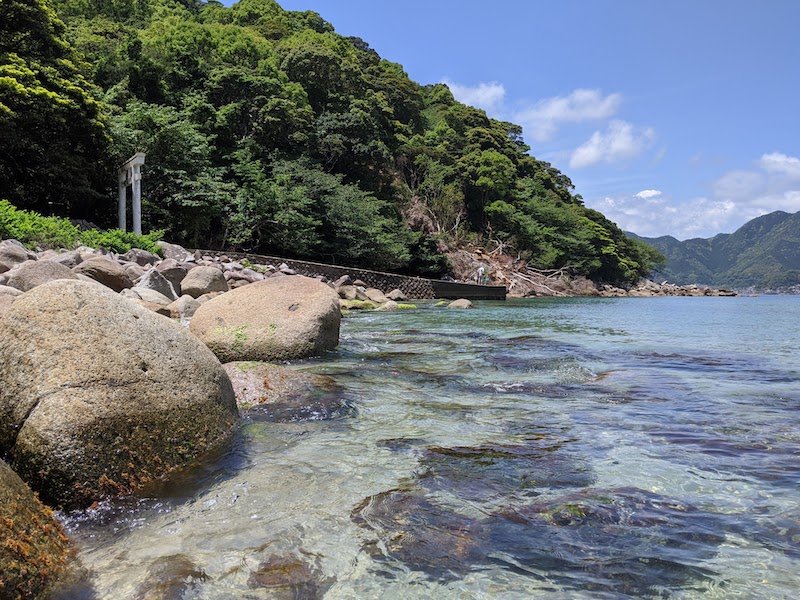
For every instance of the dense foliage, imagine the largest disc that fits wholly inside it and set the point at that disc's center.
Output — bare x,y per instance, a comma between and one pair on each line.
53,138
267,131
37,231
763,254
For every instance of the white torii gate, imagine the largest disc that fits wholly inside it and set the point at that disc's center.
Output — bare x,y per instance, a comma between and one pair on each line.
130,174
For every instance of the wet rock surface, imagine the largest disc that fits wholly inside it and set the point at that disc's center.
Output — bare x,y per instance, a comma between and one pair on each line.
290,577
171,578
33,548
421,535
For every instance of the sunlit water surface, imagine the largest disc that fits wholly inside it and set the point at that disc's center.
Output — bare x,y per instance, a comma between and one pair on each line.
552,448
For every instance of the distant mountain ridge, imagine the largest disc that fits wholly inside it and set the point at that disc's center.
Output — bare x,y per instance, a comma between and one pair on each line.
763,254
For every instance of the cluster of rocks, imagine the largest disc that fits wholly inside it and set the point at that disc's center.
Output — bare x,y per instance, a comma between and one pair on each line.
100,394
174,286
647,289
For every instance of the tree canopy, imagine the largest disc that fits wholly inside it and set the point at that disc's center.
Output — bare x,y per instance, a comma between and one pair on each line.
266,130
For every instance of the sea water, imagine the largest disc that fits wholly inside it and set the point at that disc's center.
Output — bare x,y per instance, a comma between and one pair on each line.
576,448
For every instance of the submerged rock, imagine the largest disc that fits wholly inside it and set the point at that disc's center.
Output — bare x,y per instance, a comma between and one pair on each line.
460,303
482,473
281,394
99,396
171,578
616,541
276,319
290,577
420,534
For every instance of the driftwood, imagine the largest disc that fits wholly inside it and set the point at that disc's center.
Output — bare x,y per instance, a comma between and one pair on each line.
537,284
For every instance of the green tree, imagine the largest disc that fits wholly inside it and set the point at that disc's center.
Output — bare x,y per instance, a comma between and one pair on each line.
183,193
54,142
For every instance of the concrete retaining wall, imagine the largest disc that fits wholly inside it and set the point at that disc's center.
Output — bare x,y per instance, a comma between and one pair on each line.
413,287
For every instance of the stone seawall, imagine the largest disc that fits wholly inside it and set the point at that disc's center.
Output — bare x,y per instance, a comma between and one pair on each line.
413,287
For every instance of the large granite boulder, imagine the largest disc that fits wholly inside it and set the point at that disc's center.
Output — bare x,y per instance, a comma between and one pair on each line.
146,294
7,290
203,280
33,548
375,295
174,272
106,271
68,258
6,300
13,253
183,307
397,295
143,258
28,275
155,280
174,251
276,319
98,396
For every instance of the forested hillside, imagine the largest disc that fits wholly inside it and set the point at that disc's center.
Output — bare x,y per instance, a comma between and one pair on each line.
763,254
267,131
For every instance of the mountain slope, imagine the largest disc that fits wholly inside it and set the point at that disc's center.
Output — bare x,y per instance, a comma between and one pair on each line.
763,254
265,130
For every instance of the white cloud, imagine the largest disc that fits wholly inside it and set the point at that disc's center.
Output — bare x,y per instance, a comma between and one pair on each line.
776,162
620,141
655,216
736,197
542,120
775,187
488,96
738,185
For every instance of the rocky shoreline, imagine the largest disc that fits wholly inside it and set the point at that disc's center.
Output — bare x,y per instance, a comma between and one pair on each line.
112,377
100,394
523,281
581,287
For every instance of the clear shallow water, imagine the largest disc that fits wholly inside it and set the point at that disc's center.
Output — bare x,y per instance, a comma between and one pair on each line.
555,448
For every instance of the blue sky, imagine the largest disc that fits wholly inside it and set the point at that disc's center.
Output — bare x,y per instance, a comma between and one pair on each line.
672,118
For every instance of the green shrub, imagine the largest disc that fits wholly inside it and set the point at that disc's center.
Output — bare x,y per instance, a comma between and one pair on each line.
36,231
116,240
